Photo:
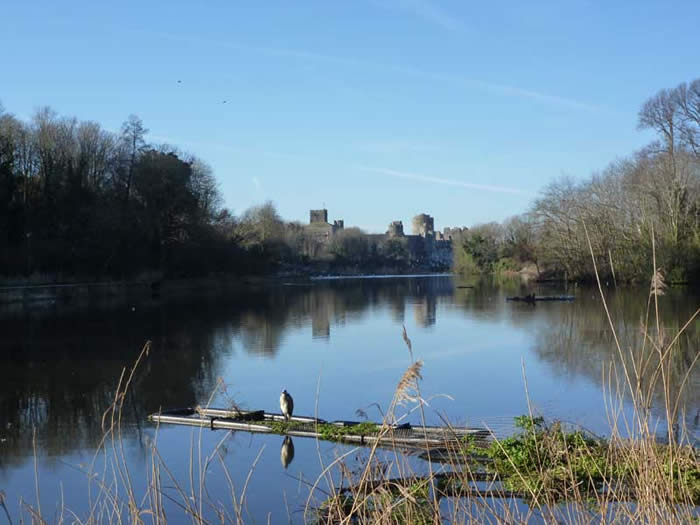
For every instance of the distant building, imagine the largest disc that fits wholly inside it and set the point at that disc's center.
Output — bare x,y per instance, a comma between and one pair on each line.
318,216
423,225
319,226
395,229
425,247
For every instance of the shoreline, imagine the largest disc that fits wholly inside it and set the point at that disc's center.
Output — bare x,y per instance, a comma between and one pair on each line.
38,294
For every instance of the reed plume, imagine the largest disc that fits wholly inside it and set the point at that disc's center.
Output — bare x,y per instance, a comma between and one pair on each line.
407,389
658,284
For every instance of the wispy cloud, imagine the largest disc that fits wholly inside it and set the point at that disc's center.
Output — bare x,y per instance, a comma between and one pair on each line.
502,89
452,79
431,13
543,97
446,182
397,147
196,146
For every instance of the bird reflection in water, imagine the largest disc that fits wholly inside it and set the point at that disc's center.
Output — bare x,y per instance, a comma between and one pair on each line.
287,452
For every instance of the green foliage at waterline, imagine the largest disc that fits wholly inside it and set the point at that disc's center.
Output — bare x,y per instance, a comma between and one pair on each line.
326,431
571,464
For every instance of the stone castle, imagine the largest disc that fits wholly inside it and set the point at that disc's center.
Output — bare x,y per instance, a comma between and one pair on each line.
320,228
424,245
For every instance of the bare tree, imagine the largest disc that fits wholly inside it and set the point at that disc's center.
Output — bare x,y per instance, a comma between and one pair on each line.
662,114
96,148
261,224
205,188
689,102
132,138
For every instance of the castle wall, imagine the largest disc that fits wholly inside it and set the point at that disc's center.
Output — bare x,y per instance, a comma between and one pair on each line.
425,247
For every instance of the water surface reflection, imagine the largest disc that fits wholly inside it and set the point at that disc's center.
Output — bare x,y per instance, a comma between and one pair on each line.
340,339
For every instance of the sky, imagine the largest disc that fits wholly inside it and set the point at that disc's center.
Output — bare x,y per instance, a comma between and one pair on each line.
374,109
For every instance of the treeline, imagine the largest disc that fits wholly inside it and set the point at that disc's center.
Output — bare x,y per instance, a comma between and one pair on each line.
77,200
654,192
80,202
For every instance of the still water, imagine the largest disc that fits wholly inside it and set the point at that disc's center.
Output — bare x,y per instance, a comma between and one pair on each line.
335,345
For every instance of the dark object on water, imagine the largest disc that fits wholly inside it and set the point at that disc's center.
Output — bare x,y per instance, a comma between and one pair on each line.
465,286
245,415
531,298
179,412
239,415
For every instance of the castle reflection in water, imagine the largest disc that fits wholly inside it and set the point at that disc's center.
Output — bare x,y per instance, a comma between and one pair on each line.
325,307
59,364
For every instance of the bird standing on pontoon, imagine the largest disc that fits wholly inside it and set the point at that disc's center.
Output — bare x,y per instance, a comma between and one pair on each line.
286,405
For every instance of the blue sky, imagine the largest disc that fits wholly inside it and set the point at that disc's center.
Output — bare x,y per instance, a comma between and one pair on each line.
378,110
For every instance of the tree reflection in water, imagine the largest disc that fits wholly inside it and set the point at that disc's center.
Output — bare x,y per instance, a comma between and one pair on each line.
60,365
578,341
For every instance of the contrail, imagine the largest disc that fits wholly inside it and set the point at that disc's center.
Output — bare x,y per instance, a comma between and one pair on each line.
447,182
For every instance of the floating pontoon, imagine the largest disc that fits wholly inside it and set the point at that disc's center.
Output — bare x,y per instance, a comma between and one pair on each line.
405,435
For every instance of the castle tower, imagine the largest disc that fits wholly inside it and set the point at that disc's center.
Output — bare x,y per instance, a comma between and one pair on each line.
316,216
395,229
423,225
